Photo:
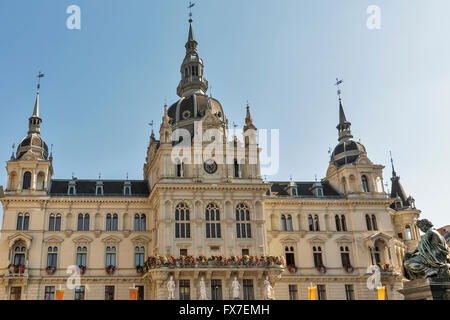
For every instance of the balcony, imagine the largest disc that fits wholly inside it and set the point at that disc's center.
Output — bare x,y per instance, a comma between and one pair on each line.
17,270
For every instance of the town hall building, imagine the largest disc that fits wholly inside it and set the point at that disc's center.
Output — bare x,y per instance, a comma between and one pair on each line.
202,214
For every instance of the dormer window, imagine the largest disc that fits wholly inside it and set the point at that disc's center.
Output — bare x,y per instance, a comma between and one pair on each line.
319,192
127,191
71,190
99,190
294,192
72,187
398,204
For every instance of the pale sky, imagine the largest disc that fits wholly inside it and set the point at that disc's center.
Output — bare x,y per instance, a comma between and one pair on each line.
106,82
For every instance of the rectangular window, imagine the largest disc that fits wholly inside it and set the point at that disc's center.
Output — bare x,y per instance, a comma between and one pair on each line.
183,252
293,292
216,289
109,292
290,259
185,290
345,257
321,292
349,292
248,289
49,293
16,293
318,259
79,293
81,259
245,252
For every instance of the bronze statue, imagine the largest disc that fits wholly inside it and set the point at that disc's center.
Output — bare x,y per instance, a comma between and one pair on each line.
430,259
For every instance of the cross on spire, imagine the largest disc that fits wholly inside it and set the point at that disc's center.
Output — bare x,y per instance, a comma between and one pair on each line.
151,124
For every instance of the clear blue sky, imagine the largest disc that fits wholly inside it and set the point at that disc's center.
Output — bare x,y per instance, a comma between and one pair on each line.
105,82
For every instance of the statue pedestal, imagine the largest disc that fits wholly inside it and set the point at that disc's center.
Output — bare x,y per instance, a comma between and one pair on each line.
426,289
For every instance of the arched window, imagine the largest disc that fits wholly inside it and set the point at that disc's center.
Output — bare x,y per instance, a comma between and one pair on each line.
243,226
140,222
283,223
338,223
368,223
365,184
26,221
289,222
19,255
83,222
108,222
19,221
81,256
310,223
115,222
236,168
408,233
26,180
139,254
343,223
51,223
374,223
52,255
58,222
212,216
316,223
110,256
182,221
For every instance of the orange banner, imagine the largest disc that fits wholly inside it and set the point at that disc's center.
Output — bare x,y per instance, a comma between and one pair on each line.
133,293
381,293
312,293
59,295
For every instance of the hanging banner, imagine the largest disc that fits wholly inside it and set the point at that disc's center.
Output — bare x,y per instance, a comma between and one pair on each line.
59,295
312,293
133,293
381,293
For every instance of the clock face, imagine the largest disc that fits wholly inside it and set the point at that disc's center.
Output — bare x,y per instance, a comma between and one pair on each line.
210,166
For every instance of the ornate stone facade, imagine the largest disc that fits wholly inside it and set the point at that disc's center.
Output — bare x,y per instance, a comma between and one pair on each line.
329,232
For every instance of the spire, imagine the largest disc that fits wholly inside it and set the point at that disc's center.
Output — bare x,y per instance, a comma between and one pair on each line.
343,126
192,78
248,120
397,188
34,123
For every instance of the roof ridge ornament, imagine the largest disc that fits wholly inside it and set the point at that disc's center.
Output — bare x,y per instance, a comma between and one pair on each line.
344,125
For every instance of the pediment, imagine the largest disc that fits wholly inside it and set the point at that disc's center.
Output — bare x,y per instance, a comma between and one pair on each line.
379,236
141,239
289,239
344,239
317,239
83,239
18,237
53,239
112,239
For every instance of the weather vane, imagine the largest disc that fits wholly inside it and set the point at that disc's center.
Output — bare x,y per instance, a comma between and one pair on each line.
337,84
191,5
39,76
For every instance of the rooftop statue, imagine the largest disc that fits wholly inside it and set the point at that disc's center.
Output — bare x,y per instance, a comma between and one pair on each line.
430,259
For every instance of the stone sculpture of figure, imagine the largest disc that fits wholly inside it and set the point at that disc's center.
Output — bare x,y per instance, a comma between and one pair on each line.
430,259
203,290
269,290
171,287
236,288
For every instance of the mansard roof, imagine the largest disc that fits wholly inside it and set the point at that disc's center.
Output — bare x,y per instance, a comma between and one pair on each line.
113,188
304,189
